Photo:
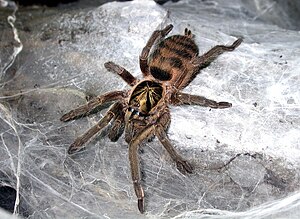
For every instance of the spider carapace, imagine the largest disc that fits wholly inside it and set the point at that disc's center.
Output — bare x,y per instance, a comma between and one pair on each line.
143,111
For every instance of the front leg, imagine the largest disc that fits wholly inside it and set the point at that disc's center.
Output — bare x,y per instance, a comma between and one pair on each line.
189,99
182,165
135,166
118,126
91,105
122,72
81,140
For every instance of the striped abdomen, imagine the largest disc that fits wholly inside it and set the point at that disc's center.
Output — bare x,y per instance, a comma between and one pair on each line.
172,57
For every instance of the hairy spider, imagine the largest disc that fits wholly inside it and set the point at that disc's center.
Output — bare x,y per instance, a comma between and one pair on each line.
143,110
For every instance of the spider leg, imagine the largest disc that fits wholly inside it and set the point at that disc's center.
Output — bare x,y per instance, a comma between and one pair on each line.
183,98
208,57
199,62
125,75
118,127
80,141
91,105
158,34
134,164
188,33
182,165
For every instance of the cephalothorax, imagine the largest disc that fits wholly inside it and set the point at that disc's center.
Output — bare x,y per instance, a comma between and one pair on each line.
143,110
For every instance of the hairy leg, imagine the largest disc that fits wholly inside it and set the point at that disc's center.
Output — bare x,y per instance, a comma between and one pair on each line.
182,165
183,98
158,34
80,141
91,105
122,72
118,127
199,62
135,167
208,57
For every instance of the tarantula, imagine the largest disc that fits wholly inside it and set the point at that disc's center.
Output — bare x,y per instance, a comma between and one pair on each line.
143,111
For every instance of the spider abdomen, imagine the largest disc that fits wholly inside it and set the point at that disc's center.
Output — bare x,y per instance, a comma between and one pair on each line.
172,57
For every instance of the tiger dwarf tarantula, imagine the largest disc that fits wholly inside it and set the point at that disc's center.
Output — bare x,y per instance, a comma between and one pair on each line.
143,111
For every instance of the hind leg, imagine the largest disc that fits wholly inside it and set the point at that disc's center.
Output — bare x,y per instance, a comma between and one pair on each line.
208,57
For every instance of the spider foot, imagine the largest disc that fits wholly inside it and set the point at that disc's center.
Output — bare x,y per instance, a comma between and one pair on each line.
188,32
140,195
67,117
75,147
141,205
184,167
110,66
237,43
167,29
222,105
